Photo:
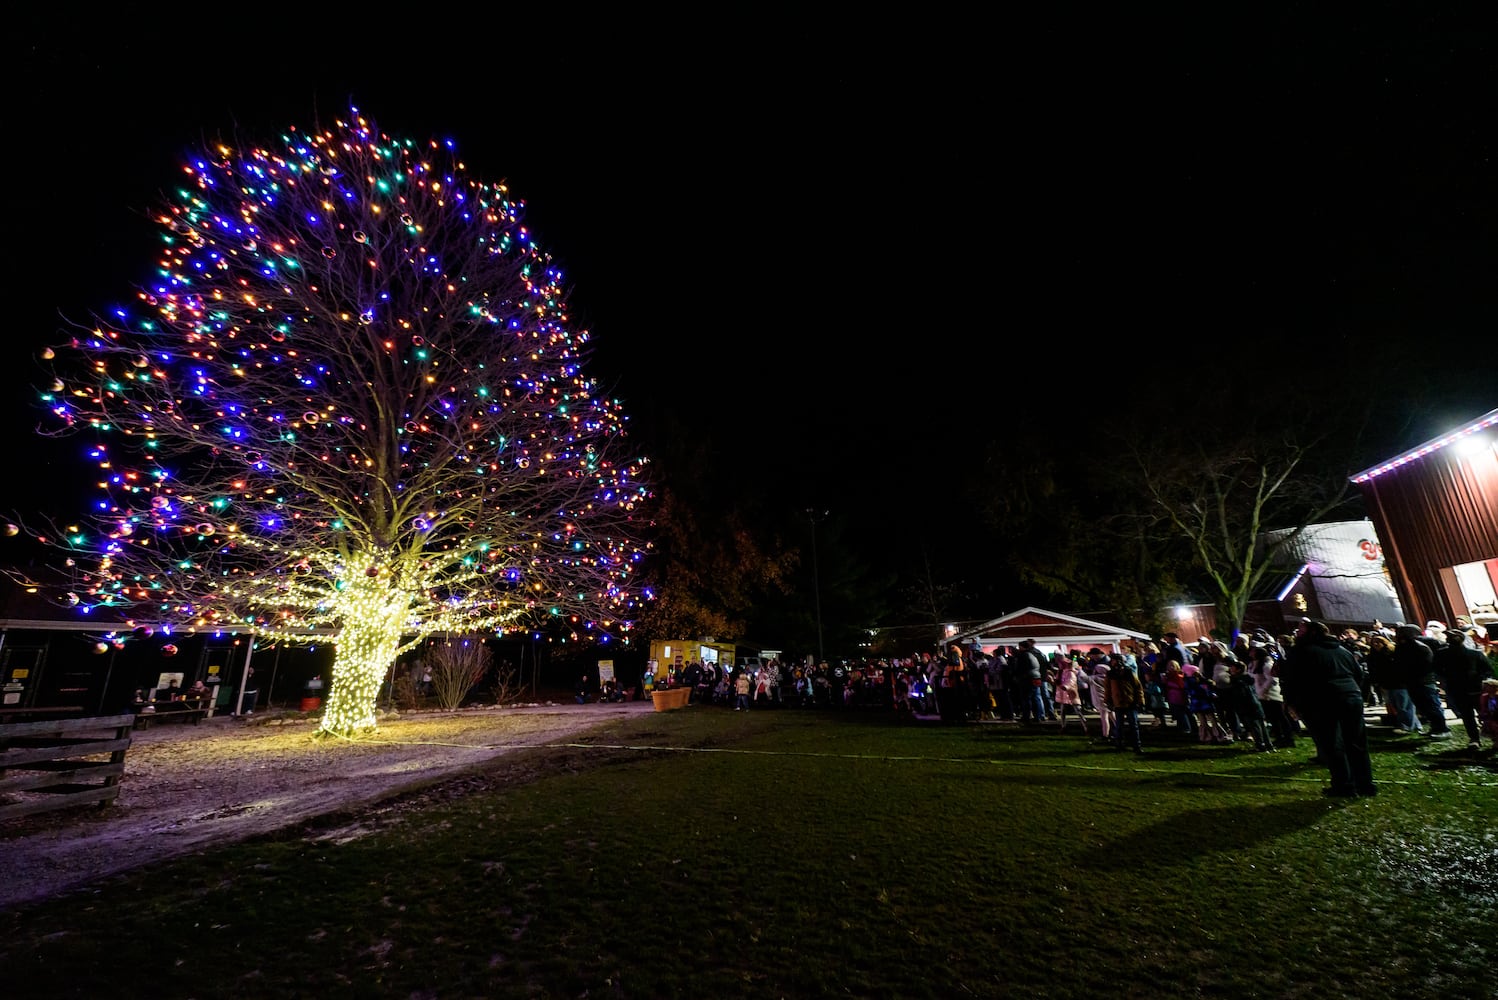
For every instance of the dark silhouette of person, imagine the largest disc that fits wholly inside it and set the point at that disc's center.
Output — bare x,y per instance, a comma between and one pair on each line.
1322,681
1462,669
1415,662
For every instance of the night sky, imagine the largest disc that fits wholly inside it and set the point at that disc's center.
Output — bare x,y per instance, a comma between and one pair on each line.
850,255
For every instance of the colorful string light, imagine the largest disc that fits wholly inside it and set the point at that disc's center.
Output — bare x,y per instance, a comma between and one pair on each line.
350,402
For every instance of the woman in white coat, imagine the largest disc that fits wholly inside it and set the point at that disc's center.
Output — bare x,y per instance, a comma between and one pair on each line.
1263,665
1098,688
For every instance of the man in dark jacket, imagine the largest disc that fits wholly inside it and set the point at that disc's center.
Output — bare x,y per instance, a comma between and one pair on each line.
1320,678
1462,669
1029,671
1416,664
1171,649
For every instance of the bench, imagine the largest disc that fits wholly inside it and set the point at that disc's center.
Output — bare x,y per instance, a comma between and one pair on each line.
187,710
56,764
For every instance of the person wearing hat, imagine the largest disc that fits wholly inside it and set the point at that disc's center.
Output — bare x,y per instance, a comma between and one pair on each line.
1416,666
1125,698
1321,680
1243,698
1263,666
1261,636
1222,659
1462,669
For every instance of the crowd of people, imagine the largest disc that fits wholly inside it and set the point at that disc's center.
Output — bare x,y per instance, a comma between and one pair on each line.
1259,691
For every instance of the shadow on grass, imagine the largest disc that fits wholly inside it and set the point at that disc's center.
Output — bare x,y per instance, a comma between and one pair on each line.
1458,758
1201,832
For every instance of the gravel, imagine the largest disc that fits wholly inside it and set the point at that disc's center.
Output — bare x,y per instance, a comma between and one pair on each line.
189,788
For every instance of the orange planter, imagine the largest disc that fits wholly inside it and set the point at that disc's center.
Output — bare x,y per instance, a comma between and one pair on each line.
668,698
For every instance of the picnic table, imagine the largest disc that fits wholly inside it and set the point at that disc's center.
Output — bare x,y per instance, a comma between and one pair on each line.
182,710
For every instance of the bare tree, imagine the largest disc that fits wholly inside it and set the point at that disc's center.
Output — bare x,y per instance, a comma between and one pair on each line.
1220,485
349,406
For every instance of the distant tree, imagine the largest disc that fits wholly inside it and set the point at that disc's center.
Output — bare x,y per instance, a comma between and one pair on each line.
710,575
1073,531
716,556
349,407
925,602
835,577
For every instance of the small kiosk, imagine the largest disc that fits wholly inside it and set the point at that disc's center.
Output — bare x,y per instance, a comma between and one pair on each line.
669,655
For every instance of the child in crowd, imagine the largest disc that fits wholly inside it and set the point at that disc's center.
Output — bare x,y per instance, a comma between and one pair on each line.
1244,699
1068,696
1201,699
1174,682
1487,708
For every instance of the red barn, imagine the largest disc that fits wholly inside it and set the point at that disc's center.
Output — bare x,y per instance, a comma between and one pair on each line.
1436,511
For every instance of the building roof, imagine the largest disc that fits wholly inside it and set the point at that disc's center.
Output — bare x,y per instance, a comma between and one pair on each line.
1435,444
1046,628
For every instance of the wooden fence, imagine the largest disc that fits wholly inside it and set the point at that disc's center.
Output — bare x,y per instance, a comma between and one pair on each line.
61,763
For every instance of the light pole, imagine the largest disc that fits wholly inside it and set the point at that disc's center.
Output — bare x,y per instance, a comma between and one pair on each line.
814,516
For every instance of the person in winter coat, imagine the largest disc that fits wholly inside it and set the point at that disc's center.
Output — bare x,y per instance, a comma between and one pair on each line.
1323,683
1216,660
765,680
1201,699
1029,670
1487,708
1154,693
1097,689
1174,683
1171,648
1244,698
1462,669
1262,666
1126,699
1416,665
1068,696
1384,674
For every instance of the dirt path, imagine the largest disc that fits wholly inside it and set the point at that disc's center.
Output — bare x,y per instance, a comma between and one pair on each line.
187,788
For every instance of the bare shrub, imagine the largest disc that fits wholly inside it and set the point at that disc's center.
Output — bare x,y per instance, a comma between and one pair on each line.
456,666
404,692
506,687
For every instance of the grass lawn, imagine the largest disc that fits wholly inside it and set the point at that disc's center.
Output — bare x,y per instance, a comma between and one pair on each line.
706,853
